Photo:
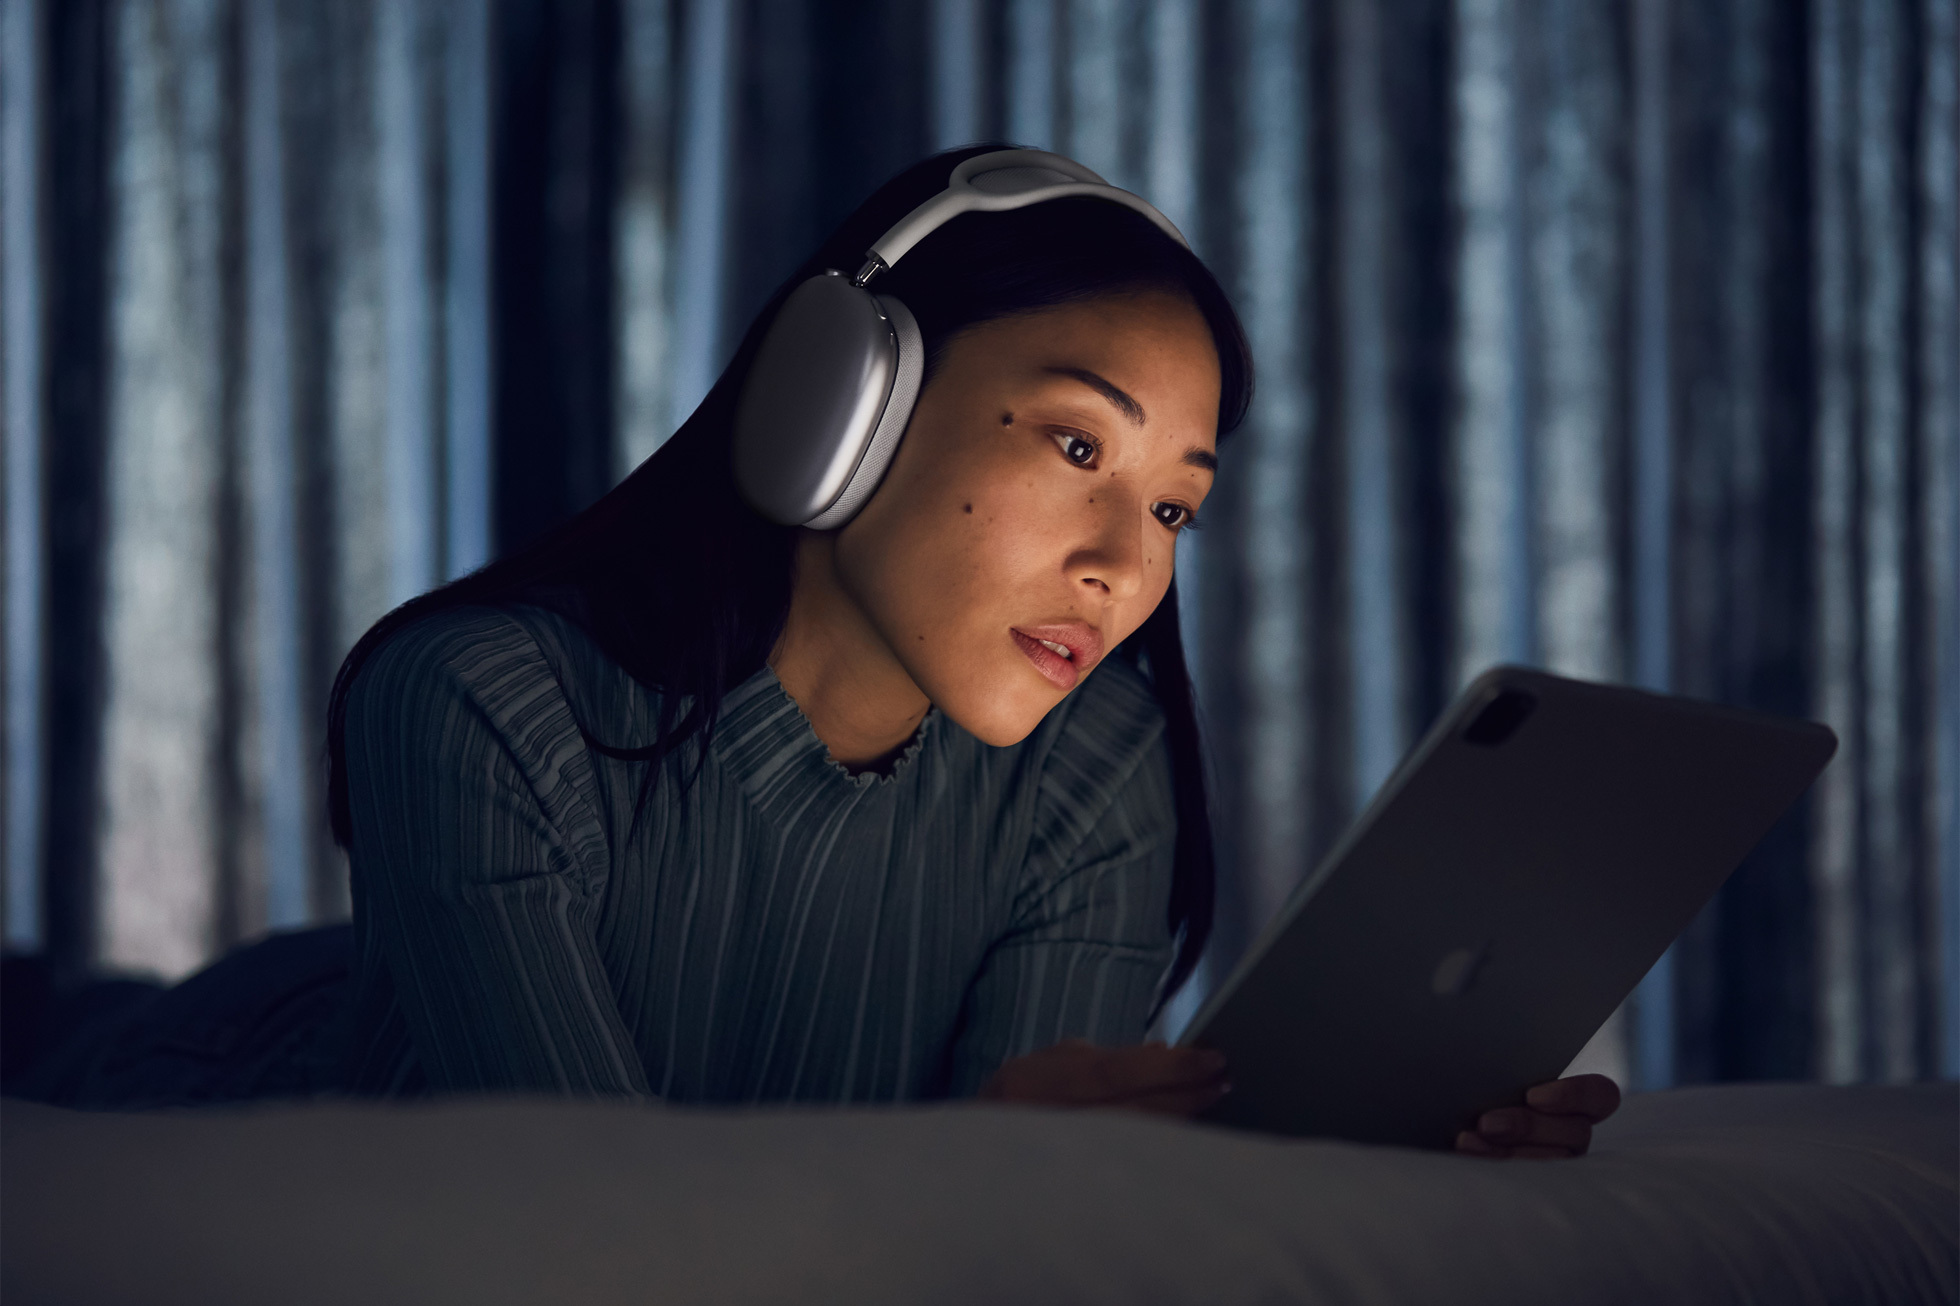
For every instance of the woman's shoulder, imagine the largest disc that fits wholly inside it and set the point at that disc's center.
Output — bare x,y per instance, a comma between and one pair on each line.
468,647
473,683
515,665
462,708
476,641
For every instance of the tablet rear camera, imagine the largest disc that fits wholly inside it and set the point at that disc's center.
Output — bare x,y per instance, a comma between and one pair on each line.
1500,717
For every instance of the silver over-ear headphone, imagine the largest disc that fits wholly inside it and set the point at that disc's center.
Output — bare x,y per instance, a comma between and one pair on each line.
835,378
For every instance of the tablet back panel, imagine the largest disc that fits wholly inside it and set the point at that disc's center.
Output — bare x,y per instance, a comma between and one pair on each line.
1507,888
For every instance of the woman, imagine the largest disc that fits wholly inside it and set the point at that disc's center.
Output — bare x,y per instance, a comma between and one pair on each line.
683,802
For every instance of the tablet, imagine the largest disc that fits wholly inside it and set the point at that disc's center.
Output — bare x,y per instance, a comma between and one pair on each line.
1512,881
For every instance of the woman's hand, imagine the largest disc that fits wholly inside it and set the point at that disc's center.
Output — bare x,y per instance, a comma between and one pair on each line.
1147,1077
1556,1120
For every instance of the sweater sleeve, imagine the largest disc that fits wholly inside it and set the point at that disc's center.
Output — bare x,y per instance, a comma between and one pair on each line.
1089,944
479,866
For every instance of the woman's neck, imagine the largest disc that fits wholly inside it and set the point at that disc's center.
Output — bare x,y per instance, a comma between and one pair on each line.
862,703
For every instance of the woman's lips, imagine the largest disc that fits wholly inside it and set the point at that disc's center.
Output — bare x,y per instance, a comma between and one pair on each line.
1082,643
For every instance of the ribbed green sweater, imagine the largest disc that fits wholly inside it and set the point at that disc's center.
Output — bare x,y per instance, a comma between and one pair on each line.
772,929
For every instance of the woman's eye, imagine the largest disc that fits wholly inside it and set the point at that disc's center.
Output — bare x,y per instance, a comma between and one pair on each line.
1076,449
1175,516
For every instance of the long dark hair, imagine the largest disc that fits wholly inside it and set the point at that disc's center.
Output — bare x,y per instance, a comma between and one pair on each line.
687,589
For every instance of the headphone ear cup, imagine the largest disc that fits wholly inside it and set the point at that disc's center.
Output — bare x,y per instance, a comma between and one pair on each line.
903,398
814,402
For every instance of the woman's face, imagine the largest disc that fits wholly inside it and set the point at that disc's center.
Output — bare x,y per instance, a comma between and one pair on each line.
1029,522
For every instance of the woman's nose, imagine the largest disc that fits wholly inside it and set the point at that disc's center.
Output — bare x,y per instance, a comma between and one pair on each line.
1112,561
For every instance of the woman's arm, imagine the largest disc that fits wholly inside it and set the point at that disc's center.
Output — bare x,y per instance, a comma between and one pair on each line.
473,863
1088,946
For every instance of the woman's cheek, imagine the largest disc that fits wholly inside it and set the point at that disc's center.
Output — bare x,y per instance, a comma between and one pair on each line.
1133,616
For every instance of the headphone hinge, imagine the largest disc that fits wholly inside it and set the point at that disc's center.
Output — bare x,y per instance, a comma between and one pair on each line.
873,265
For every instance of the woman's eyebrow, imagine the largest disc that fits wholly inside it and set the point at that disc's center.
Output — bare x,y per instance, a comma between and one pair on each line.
1125,405
1204,458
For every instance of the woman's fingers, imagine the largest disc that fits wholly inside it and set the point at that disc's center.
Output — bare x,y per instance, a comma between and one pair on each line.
1515,1127
1124,1075
1593,1096
1556,1120
1175,1101
1150,1077
1062,1075
1472,1143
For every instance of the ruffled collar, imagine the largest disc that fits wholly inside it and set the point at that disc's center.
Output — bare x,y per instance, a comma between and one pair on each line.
763,735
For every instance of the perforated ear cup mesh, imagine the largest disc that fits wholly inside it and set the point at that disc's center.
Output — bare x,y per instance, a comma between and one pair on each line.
891,425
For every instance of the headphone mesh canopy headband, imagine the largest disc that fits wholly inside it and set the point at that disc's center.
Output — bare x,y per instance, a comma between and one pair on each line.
1007,179
834,381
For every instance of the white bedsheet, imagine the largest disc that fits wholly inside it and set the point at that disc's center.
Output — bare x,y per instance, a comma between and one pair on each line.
1777,1194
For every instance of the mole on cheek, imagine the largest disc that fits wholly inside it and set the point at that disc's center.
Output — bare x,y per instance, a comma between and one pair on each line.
1007,419
969,508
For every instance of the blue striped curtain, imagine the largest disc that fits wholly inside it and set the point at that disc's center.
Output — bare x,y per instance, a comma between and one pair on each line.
1617,338
248,290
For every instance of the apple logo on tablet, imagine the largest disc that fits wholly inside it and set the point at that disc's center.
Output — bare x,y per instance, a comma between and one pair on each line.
1457,971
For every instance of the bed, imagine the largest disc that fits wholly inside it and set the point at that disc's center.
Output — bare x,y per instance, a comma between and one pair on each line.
1759,1193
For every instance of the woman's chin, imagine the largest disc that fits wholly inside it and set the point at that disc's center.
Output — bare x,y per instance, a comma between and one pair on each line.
1000,717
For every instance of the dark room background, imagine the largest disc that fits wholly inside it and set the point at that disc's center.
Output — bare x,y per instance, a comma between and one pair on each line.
1620,337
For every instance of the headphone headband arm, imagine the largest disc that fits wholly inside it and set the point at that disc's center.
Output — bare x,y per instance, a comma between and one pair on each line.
962,196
